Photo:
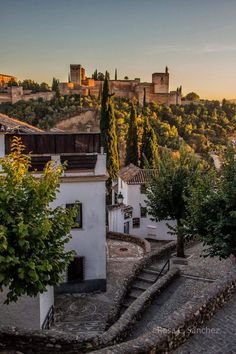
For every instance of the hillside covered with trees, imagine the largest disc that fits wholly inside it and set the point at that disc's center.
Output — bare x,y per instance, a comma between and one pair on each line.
204,127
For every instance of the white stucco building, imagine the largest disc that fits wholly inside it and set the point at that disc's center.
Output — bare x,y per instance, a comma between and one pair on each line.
131,215
83,182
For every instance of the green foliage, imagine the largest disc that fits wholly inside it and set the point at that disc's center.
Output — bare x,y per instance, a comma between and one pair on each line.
32,235
212,209
111,145
12,82
55,86
204,127
169,187
144,99
192,96
132,139
149,147
108,130
34,86
95,75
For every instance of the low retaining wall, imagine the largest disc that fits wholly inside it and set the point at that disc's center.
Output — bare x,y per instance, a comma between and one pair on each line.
123,327
178,327
50,342
129,238
164,251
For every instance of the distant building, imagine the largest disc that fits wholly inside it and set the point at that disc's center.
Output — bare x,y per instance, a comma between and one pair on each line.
131,215
155,91
82,182
4,79
14,94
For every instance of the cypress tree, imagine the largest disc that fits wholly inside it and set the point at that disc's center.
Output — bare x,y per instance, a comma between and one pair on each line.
144,98
111,147
132,139
108,129
116,74
149,147
104,107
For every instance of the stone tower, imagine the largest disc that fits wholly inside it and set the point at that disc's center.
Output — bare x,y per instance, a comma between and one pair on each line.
161,82
75,73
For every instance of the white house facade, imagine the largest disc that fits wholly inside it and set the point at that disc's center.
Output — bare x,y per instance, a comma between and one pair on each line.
131,215
83,182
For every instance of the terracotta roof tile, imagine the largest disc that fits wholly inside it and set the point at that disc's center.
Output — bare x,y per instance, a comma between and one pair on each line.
12,124
132,174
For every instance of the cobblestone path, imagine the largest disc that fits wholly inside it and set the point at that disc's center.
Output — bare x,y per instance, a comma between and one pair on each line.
194,278
87,314
173,297
217,337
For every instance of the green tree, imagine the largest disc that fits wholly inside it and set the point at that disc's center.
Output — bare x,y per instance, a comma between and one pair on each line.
149,147
111,146
192,96
55,86
116,74
95,75
132,139
44,87
144,99
108,129
212,209
168,189
32,235
104,107
11,83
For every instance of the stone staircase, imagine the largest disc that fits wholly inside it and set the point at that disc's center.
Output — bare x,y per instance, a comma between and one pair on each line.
142,282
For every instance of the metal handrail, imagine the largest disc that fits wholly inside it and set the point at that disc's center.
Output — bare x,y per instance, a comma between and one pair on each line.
162,269
49,318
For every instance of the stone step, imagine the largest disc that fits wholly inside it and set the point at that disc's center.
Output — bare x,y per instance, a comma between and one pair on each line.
156,268
150,271
135,293
148,275
139,284
145,278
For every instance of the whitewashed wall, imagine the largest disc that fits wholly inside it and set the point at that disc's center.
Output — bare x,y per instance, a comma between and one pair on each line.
90,241
27,312
148,228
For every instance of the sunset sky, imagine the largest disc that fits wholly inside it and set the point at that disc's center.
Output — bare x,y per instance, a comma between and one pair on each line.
195,39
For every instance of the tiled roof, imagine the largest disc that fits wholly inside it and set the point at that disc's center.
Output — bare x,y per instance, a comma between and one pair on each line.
120,206
8,124
132,174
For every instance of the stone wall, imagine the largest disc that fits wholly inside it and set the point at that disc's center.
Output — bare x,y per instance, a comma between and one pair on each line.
16,93
88,119
130,238
148,259
174,331
178,327
50,342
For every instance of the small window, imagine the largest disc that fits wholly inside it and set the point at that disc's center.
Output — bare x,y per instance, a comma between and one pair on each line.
143,212
78,217
136,222
143,189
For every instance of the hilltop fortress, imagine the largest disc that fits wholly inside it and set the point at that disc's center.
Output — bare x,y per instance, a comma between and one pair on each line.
155,91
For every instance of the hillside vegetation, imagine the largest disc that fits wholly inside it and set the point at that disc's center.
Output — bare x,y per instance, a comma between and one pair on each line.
204,127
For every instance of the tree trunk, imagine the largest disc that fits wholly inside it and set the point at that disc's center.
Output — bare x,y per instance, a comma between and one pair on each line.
180,240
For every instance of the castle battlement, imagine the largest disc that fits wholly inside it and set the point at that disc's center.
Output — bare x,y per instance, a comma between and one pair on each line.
155,91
